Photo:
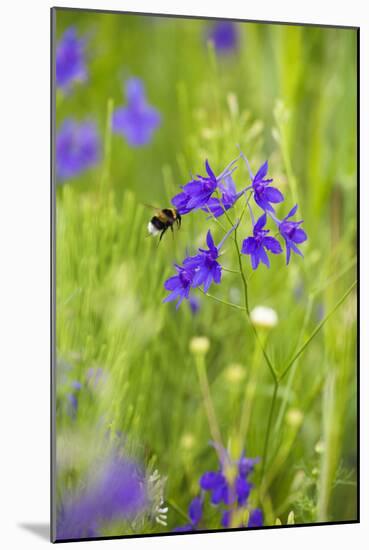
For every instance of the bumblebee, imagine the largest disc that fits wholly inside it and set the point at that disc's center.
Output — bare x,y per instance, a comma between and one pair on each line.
163,220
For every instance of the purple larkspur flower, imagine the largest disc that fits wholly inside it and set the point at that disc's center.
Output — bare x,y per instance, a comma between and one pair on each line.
115,491
179,286
202,269
256,518
70,64
72,399
264,194
77,148
195,511
292,233
196,193
217,483
72,405
224,35
257,245
217,206
136,121
205,265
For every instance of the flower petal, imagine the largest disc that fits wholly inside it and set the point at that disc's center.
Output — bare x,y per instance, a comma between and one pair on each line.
249,246
299,236
172,283
260,223
255,260
195,510
273,195
262,172
209,170
292,212
256,518
272,245
211,480
263,256
209,240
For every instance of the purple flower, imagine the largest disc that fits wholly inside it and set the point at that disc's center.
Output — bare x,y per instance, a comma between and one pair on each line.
205,265
196,193
179,285
72,405
224,35
263,193
220,488
292,233
77,148
229,197
115,491
195,510
202,269
255,246
137,121
70,60
256,518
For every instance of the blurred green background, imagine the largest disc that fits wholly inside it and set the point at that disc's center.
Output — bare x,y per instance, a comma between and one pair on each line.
287,94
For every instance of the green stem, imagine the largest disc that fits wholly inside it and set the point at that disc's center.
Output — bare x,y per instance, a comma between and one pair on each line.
315,332
220,300
269,425
208,403
230,270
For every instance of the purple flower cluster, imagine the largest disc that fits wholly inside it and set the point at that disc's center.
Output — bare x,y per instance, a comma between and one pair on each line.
228,489
137,121
217,195
114,491
77,148
203,269
224,36
70,64
78,144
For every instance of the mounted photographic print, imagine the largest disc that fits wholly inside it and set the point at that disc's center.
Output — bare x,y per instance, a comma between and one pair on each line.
204,275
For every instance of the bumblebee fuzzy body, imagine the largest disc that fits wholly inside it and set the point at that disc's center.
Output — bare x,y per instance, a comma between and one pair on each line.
163,220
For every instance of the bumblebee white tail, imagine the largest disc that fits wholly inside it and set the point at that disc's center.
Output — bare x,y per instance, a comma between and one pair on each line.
152,229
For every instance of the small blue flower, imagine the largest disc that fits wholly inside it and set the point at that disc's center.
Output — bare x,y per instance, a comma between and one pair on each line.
216,484
264,195
138,120
224,35
70,60
115,490
256,518
77,148
195,511
255,246
229,196
205,265
179,285
292,233
196,193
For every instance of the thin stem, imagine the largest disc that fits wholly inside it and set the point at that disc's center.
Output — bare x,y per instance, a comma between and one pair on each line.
315,332
246,298
236,306
269,425
230,270
208,403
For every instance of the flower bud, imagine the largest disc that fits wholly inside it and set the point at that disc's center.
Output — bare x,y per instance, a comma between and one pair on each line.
199,345
264,317
294,417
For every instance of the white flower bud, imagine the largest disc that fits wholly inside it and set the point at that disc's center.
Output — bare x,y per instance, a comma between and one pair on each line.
199,345
264,317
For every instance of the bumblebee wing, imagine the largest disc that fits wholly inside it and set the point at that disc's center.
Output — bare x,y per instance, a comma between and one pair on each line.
151,206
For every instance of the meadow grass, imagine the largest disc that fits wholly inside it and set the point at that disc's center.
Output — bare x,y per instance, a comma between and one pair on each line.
288,95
